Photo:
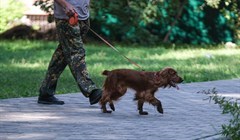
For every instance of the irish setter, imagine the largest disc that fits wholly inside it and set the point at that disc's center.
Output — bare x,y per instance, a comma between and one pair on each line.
144,83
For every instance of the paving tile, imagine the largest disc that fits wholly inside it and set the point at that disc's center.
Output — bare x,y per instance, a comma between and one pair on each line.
187,116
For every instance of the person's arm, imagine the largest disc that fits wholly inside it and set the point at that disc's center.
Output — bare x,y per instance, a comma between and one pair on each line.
68,8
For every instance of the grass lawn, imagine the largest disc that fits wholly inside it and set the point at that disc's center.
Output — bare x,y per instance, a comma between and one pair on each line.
23,64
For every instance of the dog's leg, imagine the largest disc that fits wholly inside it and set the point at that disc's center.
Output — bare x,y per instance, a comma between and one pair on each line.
155,102
140,107
103,101
104,108
139,98
159,106
111,105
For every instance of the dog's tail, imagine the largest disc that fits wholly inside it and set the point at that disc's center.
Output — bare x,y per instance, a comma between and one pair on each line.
111,80
105,72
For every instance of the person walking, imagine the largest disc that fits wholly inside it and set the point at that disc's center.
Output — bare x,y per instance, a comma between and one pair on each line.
70,52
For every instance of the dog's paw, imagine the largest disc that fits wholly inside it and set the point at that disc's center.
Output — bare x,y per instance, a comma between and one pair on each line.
143,113
107,111
112,107
160,110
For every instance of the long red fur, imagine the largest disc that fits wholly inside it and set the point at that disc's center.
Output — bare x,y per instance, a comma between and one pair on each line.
144,83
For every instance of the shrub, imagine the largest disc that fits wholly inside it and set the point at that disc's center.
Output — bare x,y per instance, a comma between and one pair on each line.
228,106
152,22
10,10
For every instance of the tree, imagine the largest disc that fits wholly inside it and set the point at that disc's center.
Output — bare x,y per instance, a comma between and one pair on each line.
10,10
155,21
231,11
47,6
177,17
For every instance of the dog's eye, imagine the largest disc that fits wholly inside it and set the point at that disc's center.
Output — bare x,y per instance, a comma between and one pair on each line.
173,72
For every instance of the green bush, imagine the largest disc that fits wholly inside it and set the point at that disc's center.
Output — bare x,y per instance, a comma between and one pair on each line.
176,21
10,10
228,106
148,22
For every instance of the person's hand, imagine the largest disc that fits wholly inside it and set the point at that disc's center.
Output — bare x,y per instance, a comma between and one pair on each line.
69,10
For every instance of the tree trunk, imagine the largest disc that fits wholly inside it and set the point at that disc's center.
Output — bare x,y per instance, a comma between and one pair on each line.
177,17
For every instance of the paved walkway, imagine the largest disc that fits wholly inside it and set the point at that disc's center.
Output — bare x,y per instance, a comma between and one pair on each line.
187,116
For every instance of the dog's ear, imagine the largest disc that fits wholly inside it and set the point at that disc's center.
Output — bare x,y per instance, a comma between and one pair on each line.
160,78
163,73
171,71
167,72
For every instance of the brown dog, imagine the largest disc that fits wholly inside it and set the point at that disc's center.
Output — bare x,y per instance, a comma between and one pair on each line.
144,83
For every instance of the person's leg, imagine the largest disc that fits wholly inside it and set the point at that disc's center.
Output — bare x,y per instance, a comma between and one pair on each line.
74,52
49,84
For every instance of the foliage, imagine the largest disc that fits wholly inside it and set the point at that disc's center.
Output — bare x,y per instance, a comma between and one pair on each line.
28,61
144,22
228,106
230,9
155,21
47,6
10,10
149,21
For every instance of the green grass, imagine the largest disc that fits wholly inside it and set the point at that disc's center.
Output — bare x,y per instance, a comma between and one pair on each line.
23,64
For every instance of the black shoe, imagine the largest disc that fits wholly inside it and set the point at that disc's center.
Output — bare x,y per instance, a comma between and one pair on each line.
95,96
50,100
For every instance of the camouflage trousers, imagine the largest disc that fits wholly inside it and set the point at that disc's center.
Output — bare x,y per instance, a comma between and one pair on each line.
70,52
